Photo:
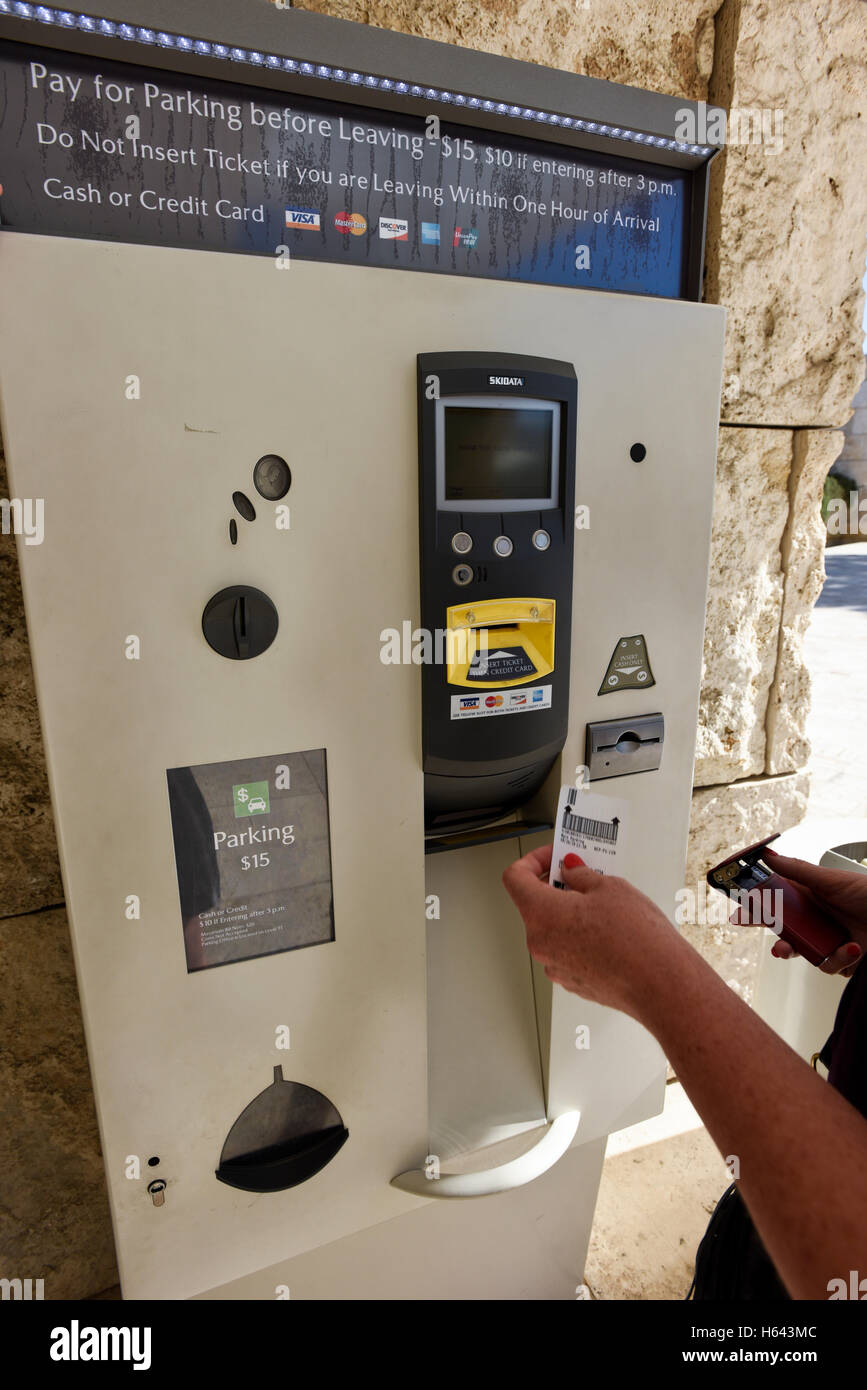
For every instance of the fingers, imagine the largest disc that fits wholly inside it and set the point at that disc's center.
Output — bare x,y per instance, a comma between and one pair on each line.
800,871
523,879
576,875
844,959
842,962
557,978
539,860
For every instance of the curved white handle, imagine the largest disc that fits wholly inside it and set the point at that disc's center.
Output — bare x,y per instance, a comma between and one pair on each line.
532,1164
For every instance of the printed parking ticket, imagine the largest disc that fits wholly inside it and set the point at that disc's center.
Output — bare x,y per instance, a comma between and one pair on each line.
590,825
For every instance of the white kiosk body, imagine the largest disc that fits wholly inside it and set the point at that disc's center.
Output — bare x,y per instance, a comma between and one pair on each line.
141,385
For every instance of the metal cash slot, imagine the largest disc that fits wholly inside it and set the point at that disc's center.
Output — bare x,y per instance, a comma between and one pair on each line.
616,747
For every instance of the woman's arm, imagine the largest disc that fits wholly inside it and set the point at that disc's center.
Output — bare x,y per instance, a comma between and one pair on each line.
802,1148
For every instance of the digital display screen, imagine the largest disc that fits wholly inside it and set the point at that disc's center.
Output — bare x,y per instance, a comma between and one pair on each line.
493,454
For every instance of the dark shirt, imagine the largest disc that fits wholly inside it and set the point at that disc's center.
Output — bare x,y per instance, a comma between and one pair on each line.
731,1262
845,1052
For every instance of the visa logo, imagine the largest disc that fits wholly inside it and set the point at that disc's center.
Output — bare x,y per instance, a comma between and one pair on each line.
472,703
307,219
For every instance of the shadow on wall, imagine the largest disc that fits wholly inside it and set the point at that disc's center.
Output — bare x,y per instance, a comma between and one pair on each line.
847,588
847,481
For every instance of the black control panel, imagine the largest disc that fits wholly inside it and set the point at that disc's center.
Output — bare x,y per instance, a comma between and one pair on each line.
497,444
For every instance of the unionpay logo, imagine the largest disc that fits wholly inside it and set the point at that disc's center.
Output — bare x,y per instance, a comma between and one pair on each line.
430,233
304,219
393,228
251,799
350,223
465,236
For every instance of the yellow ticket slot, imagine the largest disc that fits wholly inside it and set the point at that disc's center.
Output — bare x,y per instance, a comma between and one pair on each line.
500,642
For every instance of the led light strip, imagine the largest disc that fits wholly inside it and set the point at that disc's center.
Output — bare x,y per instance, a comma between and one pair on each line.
69,19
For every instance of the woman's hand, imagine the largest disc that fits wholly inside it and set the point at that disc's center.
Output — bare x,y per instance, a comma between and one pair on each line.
603,940
839,893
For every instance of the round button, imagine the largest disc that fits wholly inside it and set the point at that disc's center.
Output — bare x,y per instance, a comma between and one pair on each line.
503,546
541,540
462,574
462,543
272,477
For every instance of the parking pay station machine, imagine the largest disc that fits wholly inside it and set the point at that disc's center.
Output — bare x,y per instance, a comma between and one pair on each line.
361,390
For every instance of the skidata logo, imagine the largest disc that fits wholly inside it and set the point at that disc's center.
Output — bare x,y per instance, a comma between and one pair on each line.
430,233
77,1343
505,381
305,219
393,229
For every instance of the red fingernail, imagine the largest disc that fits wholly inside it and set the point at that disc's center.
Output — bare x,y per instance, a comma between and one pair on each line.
572,861
852,949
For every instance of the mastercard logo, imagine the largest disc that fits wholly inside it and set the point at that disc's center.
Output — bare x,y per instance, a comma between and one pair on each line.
493,700
350,223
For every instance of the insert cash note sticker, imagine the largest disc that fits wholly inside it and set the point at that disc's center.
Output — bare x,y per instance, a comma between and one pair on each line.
590,825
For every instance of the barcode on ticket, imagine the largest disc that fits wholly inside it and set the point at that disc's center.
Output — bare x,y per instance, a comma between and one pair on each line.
585,825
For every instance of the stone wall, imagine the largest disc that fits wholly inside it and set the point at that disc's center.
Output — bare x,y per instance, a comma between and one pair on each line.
785,255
